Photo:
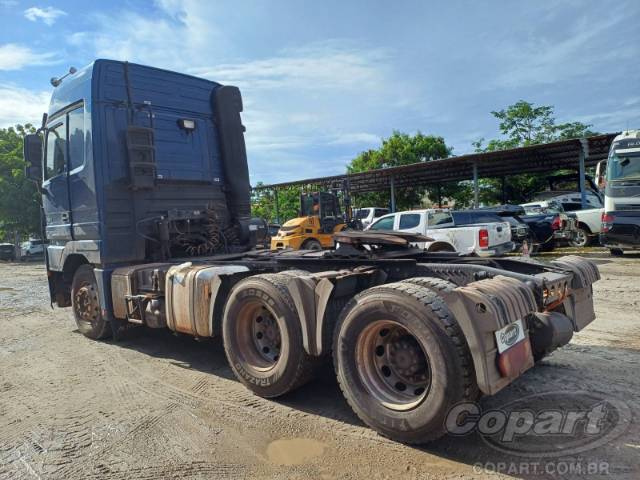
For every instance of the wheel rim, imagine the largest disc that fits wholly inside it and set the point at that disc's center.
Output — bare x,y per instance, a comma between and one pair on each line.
392,365
580,239
259,337
86,304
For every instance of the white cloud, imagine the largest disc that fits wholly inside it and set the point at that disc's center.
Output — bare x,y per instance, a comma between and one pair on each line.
178,40
48,15
19,105
324,65
302,105
574,52
14,57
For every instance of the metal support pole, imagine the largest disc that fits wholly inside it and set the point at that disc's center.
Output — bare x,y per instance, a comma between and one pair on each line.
584,153
275,193
393,195
504,191
439,196
475,185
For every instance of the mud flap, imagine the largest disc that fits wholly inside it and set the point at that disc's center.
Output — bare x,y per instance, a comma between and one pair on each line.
578,305
311,295
481,309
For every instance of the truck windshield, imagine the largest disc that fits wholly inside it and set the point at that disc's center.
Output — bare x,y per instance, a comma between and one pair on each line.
623,167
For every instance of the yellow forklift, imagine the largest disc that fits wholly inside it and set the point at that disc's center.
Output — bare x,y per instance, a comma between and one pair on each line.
320,217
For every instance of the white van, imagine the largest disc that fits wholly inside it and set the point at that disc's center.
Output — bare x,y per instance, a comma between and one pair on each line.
485,239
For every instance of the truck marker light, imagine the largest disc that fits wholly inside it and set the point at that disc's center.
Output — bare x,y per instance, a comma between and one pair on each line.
187,124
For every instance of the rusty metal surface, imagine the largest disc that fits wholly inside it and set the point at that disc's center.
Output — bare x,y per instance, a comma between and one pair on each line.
389,237
124,281
191,292
483,307
585,272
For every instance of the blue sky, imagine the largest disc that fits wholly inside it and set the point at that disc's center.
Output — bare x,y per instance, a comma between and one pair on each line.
323,81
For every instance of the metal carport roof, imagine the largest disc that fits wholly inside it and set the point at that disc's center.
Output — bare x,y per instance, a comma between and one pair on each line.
564,154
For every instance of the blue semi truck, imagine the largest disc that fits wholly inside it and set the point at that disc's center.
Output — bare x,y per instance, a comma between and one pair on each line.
146,199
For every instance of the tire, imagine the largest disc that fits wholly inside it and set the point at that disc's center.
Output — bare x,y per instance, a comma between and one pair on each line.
616,252
263,338
581,238
311,244
410,409
295,273
86,306
437,285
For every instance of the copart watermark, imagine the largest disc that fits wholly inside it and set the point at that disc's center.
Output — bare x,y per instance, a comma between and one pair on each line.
556,468
550,424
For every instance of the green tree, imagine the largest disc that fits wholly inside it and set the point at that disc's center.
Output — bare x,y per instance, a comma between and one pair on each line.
522,124
399,149
263,203
19,197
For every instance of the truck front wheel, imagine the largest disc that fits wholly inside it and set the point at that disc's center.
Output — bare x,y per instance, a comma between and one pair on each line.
86,305
402,362
263,337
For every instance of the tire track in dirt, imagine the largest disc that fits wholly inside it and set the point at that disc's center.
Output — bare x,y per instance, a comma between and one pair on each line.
231,398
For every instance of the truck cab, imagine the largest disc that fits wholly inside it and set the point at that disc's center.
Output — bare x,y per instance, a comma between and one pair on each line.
621,217
137,164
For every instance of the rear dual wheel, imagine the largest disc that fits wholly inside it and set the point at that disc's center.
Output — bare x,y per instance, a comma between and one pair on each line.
263,337
402,362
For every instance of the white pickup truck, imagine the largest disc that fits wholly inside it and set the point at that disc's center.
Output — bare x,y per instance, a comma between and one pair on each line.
485,239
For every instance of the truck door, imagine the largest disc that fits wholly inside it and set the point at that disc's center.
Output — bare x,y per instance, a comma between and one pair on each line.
81,180
55,186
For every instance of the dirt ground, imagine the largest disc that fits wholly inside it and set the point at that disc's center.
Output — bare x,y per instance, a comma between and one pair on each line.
154,405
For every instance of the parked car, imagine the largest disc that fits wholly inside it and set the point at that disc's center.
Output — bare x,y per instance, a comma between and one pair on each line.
565,190
520,231
588,225
7,251
484,239
549,223
32,248
368,215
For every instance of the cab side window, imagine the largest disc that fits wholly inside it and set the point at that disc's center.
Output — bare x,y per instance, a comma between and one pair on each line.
56,149
439,219
409,220
385,223
76,138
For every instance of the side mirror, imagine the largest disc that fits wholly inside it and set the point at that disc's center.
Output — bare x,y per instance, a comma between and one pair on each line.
32,151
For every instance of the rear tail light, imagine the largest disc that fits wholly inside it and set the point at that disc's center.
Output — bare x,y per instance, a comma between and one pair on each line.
607,221
483,238
557,223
